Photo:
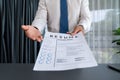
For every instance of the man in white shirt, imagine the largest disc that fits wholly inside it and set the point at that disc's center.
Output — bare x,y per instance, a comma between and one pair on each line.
48,13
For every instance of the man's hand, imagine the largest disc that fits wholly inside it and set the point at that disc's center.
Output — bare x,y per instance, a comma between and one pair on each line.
32,33
76,30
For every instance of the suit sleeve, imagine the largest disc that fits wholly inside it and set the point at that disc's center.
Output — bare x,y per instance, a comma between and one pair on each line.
85,17
40,20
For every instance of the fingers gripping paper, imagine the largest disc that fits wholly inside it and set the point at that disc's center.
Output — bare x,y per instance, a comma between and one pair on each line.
64,52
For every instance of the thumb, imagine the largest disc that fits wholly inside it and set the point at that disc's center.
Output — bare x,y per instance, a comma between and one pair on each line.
39,38
25,28
75,31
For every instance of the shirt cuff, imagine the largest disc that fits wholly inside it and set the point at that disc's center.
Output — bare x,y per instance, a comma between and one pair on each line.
85,27
39,27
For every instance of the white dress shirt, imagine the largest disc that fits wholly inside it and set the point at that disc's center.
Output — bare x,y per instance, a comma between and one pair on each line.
48,13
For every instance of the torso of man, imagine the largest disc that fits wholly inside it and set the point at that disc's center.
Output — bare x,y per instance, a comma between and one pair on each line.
78,14
53,7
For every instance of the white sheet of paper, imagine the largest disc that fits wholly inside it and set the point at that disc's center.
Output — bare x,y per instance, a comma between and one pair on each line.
64,52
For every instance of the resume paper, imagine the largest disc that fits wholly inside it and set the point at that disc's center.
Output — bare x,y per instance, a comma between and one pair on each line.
60,52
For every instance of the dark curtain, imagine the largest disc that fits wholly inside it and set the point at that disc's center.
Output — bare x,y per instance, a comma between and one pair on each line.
15,47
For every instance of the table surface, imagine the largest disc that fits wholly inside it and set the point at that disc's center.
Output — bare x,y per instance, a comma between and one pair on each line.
25,72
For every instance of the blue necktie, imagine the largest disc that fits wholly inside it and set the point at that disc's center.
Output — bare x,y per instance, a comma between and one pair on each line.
63,16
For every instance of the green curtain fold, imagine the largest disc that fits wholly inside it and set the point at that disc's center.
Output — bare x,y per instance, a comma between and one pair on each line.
14,46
